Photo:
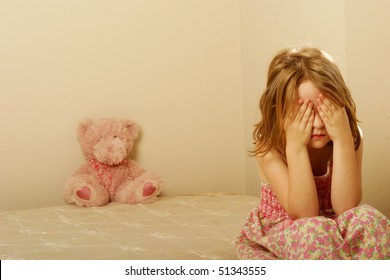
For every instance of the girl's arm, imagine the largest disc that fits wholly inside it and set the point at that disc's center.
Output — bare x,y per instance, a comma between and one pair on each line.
302,191
346,190
293,183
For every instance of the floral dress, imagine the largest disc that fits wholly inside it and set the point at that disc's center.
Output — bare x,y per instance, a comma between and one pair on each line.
269,233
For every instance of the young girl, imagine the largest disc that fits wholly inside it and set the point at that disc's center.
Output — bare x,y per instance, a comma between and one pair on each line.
309,150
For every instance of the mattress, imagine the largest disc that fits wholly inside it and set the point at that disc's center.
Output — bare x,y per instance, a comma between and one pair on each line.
177,228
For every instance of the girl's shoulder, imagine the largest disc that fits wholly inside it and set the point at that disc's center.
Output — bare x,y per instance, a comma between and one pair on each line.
273,156
271,160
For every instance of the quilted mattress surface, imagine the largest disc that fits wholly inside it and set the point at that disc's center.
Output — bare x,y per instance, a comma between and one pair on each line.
181,227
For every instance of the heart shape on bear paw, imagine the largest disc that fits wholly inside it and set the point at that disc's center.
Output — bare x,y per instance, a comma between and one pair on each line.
84,193
149,189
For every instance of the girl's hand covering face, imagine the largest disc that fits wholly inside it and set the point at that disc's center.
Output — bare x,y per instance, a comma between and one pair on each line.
299,125
334,117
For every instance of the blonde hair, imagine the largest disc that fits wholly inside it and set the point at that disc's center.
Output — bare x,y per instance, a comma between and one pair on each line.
290,68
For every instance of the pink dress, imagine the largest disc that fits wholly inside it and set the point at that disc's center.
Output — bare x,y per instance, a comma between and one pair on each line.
269,233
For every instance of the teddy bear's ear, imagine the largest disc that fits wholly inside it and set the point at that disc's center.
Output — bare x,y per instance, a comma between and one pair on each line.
132,127
83,127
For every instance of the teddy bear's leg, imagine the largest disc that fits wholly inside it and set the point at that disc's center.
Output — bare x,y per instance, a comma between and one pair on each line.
144,189
84,191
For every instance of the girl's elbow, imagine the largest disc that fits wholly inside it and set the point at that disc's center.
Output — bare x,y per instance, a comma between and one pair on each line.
304,212
302,208
347,206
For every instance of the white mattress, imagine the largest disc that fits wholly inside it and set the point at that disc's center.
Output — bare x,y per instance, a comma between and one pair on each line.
182,227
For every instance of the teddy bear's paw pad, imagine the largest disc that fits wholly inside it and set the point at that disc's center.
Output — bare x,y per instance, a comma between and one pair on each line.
84,193
149,189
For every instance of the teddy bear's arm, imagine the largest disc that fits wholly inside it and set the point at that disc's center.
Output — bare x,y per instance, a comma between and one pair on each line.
136,169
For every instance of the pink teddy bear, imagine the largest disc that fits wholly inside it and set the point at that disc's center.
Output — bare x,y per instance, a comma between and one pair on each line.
109,174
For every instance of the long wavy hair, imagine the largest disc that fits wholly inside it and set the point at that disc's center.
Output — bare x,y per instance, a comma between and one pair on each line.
290,68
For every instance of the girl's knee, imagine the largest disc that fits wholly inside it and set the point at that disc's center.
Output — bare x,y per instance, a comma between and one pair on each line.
367,212
322,225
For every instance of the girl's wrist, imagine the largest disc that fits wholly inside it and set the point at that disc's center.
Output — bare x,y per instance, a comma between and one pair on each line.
344,139
295,149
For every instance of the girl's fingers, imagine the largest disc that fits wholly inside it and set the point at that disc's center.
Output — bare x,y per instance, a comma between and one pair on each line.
302,110
295,111
325,104
310,122
309,110
321,113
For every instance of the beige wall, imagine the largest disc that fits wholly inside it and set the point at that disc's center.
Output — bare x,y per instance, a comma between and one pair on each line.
173,66
368,75
189,72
